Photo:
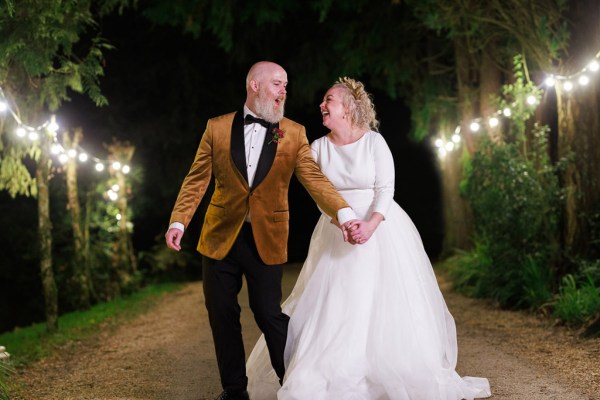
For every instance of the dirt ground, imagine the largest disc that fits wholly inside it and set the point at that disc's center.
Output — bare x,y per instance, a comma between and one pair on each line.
168,354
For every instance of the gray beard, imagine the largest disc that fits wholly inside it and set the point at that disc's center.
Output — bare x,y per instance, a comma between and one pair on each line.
269,113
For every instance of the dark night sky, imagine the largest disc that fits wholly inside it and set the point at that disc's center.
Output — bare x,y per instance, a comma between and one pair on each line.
162,86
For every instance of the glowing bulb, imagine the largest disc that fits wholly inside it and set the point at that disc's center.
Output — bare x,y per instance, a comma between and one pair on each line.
507,112
456,138
442,152
112,195
583,80
118,216
126,169
593,66
21,132
568,86
3,106
33,136
63,158
56,148
439,142
474,126
53,126
72,153
449,146
83,157
531,100
494,122
550,81
99,167
115,187
116,165
457,130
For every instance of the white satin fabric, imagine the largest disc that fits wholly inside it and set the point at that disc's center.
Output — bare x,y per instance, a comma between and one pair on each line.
368,322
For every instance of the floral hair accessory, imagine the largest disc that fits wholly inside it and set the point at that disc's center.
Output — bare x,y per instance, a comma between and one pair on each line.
278,134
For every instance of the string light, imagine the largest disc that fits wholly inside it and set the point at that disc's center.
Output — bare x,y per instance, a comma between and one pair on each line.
58,150
568,83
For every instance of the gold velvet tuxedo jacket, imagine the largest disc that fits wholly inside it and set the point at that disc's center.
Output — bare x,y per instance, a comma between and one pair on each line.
222,154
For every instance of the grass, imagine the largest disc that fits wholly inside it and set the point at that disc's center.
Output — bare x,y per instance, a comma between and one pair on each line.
33,343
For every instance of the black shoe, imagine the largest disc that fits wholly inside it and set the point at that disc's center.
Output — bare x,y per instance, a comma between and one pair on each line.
233,395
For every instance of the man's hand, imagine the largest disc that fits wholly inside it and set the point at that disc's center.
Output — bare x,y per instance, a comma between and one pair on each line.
360,231
173,238
348,228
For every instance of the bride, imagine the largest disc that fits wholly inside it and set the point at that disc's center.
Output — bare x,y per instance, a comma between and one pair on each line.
366,322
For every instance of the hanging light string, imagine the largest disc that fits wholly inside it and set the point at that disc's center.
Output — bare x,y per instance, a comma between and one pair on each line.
568,83
63,155
24,131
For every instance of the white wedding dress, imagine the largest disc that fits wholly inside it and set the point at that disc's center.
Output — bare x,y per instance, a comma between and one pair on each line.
368,321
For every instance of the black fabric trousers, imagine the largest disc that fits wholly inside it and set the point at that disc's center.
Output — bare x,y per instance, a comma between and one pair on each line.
222,281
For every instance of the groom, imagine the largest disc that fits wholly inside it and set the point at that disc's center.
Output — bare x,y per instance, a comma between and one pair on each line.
252,155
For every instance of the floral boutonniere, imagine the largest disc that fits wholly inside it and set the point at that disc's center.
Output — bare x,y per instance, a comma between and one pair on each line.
278,134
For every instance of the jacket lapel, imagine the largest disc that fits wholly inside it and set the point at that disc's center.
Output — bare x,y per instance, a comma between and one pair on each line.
238,148
267,155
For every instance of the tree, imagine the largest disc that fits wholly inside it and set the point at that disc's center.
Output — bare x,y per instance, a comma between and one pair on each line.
81,266
40,60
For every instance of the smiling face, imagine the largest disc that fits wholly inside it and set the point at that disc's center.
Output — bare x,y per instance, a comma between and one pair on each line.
266,87
333,110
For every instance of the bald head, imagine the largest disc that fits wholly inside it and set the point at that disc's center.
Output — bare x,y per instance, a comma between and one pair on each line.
266,90
261,71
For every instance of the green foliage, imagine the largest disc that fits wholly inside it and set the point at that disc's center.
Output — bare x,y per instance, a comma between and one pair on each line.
515,196
33,343
6,370
468,270
578,300
515,206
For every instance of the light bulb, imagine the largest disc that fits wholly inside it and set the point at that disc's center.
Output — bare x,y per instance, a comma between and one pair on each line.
63,158
531,100
568,86
115,187
83,157
126,169
583,80
72,153
550,81
494,122
3,106
439,142
116,165
594,66
449,146
507,112
456,138
99,167
33,136
474,126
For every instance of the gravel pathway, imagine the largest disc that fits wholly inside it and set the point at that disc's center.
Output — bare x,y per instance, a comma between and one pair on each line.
167,353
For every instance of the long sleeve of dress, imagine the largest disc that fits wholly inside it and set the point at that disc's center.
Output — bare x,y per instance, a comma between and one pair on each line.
384,176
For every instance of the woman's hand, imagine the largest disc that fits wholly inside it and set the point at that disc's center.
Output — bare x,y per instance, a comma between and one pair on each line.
361,231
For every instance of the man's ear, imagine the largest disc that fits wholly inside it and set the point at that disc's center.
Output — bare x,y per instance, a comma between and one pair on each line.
254,85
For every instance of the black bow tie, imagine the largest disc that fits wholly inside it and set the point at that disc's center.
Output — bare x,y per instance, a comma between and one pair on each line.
250,119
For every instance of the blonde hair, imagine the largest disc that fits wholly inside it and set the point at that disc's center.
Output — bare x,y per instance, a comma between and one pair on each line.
358,102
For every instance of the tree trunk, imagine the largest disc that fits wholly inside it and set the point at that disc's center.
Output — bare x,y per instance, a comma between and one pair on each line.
578,127
80,263
45,235
490,77
124,260
458,216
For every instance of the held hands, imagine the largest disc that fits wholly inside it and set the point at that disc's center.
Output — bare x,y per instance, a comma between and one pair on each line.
173,238
358,231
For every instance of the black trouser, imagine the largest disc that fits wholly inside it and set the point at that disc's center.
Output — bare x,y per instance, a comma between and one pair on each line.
222,280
